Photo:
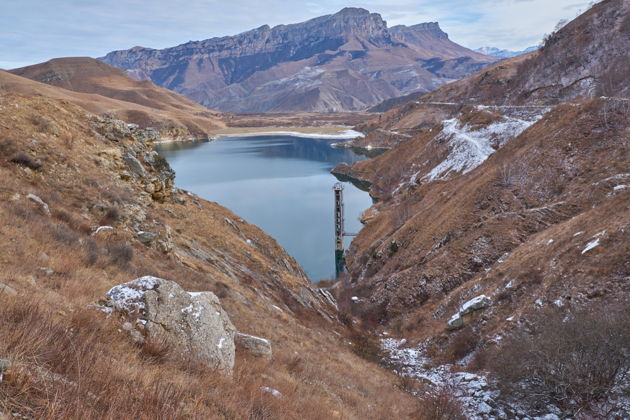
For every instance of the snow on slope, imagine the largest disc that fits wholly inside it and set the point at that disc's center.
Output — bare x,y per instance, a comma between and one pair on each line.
471,147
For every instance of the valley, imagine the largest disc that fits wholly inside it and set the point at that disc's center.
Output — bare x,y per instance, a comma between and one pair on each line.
167,245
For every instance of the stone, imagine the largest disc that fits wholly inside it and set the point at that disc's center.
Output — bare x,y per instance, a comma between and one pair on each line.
146,237
5,288
5,364
256,346
41,203
193,325
455,322
134,165
473,305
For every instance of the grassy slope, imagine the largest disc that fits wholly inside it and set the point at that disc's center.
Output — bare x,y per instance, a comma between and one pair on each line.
72,362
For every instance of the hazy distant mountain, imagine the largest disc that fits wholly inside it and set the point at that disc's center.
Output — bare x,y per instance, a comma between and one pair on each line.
496,52
347,61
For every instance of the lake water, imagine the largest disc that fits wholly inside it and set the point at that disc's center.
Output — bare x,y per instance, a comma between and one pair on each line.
280,183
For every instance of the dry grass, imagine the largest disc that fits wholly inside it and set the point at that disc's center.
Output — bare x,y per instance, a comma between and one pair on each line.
72,362
572,361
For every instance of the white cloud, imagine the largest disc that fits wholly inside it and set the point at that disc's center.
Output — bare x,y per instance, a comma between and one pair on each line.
33,30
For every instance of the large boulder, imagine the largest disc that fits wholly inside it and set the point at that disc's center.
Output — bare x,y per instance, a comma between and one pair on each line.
192,324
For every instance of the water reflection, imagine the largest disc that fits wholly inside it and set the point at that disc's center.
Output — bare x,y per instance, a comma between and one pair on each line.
279,183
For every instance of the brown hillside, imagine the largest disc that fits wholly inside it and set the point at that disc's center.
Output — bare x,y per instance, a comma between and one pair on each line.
71,361
111,91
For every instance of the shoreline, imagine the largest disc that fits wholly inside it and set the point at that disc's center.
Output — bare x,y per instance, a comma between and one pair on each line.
324,132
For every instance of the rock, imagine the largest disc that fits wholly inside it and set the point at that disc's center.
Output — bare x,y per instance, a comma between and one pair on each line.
5,364
473,305
5,288
102,229
256,346
165,244
272,391
146,237
134,165
41,203
192,324
455,322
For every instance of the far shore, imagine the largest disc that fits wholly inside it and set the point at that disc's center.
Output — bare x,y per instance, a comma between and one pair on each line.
332,132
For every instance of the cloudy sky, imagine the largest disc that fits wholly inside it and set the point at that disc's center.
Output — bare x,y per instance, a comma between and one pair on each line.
33,31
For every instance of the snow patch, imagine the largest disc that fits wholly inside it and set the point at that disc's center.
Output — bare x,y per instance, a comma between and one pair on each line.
470,148
590,246
343,135
128,296
473,391
272,391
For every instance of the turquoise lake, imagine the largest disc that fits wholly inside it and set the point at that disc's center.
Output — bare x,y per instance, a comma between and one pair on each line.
280,183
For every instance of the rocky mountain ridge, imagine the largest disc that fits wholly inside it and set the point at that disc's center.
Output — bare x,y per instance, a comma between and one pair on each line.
346,61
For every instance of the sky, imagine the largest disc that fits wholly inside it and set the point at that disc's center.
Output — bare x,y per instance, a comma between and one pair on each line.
33,31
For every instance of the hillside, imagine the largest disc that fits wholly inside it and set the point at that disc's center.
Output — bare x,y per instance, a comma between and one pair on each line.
87,206
341,62
103,89
500,209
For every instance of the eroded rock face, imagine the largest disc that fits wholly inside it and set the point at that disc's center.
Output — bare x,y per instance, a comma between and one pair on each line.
194,325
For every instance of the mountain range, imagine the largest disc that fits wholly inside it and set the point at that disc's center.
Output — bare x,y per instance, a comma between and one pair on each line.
346,61
497,52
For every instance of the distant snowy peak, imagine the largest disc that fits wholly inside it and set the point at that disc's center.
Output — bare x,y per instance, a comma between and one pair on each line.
496,52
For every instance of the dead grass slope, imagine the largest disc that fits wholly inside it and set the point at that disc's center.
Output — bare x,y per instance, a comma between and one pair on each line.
70,361
523,218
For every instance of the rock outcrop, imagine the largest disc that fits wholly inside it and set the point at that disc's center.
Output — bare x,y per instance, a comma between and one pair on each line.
347,61
256,346
193,325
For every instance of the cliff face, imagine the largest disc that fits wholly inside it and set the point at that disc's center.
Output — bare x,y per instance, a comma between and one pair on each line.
346,61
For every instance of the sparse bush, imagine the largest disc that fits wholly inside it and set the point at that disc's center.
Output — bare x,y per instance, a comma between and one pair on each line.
367,346
92,252
25,160
440,405
42,123
64,234
221,289
112,214
155,350
120,254
464,343
572,361
7,147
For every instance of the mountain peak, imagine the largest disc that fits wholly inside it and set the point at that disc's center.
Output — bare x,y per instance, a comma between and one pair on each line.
353,11
429,28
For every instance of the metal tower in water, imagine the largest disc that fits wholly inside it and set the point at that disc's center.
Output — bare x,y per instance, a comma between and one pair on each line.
339,259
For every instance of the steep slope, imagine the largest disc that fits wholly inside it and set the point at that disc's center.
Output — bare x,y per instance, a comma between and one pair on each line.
346,61
87,205
588,57
107,89
492,217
